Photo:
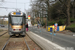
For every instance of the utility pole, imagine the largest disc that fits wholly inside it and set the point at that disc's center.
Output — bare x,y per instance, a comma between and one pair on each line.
47,11
42,14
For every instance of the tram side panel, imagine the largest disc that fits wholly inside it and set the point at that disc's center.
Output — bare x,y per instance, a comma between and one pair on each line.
24,23
9,25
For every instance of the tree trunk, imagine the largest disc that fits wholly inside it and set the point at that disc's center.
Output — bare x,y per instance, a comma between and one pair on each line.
73,11
48,12
68,12
47,2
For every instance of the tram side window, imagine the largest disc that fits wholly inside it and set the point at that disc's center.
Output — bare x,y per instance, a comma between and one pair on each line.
9,18
24,19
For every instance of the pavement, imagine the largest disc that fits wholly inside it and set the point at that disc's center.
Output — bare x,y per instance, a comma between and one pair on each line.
44,43
62,40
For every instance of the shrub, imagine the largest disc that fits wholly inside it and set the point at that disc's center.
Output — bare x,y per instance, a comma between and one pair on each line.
51,23
60,22
72,20
72,25
71,29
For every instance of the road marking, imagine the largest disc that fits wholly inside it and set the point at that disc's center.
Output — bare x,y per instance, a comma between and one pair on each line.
56,46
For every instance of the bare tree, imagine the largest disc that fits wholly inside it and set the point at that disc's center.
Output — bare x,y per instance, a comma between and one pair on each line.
67,4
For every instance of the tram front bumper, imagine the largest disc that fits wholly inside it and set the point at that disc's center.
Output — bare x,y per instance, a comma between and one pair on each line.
20,32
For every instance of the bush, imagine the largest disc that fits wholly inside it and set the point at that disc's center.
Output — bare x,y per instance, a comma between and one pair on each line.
72,25
51,23
60,22
72,20
71,29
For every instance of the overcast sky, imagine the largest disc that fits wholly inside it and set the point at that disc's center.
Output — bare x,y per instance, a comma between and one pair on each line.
12,4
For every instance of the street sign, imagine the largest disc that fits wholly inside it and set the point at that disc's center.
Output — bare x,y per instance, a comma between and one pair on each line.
56,26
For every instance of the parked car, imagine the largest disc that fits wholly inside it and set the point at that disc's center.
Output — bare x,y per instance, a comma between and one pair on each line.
2,26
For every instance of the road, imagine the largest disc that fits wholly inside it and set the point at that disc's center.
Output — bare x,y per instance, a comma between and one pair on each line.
60,39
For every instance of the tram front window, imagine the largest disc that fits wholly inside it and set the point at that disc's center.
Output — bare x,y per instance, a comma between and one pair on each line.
17,20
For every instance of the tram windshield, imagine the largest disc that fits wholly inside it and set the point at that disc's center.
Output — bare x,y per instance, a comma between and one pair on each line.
17,20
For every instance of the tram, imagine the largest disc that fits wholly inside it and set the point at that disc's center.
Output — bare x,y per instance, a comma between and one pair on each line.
16,23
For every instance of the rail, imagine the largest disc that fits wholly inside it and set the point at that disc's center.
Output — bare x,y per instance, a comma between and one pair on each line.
8,42
3,34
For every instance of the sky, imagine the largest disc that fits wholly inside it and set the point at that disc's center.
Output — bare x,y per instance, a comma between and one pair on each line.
23,5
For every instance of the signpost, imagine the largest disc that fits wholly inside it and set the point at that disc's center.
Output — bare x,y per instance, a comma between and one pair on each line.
53,33
56,27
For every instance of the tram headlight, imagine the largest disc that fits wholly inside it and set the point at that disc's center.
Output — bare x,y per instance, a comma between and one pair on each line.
19,29
14,29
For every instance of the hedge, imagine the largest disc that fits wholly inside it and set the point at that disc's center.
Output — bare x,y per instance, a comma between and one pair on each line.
71,29
61,22
51,23
72,20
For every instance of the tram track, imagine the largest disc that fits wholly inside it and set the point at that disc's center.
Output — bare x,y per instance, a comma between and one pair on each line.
8,45
3,33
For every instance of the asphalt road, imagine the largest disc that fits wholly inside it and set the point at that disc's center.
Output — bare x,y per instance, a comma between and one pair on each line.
60,39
